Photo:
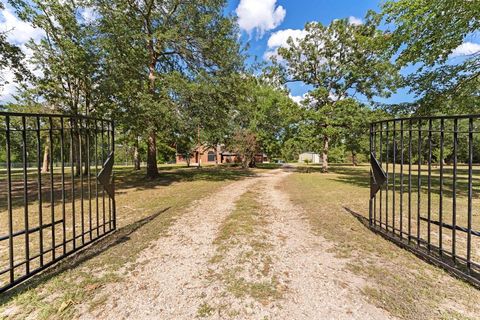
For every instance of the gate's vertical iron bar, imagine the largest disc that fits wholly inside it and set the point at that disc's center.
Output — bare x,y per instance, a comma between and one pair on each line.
454,189
89,181
410,181
96,175
103,190
394,171
73,159
52,186
429,183
375,153
470,194
114,208
82,213
387,142
62,168
370,206
39,180
9,200
401,178
440,206
381,164
419,179
25,195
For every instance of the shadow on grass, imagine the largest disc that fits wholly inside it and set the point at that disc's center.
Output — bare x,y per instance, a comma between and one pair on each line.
359,176
126,178
361,218
92,250
268,166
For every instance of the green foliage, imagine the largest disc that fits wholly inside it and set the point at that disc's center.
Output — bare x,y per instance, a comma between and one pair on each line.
271,114
67,57
424,34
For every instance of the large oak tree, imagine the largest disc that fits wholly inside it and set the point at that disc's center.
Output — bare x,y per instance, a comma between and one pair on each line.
153,39
340,61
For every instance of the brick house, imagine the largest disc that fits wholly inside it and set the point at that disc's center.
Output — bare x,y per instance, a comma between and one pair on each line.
209,155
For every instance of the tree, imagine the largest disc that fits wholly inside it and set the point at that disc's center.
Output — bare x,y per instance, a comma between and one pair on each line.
244,143
153,39
355,136
425,34
340,61
273,117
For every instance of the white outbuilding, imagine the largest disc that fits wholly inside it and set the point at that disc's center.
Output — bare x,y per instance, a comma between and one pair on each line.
310,157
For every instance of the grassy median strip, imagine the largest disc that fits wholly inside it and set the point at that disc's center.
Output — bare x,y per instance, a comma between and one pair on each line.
242,262
145,210
396,280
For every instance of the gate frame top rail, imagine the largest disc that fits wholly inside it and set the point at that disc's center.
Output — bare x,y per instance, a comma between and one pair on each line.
445,117
52,115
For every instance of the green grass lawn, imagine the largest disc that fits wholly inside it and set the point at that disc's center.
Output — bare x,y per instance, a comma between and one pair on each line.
145,210
396,280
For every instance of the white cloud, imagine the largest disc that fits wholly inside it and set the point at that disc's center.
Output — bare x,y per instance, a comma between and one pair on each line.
259,15
355,21
18,31
465,49
9,88
297,99
279,39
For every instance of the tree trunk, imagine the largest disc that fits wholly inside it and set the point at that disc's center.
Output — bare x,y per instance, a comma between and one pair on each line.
152,169
136,156
46,160
354,159
326,141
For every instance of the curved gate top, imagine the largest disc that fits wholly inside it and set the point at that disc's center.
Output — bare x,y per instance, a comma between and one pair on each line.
56,189
425,188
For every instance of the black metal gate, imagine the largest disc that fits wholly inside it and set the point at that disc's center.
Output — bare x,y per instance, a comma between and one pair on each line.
56,189
425,188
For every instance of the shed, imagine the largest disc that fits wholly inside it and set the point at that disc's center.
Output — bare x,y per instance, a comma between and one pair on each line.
311,157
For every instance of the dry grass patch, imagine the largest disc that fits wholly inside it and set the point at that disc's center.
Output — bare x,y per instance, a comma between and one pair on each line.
243,260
